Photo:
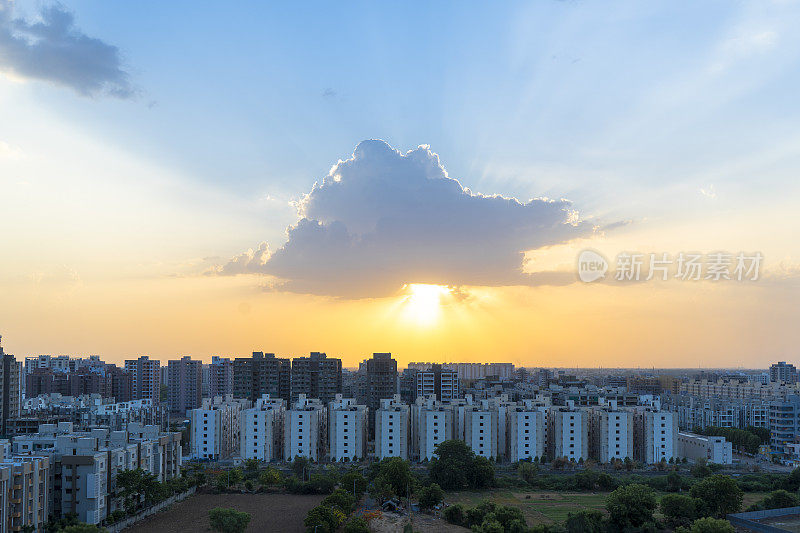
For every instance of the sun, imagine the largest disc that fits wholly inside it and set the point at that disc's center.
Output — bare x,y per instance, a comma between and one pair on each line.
423,303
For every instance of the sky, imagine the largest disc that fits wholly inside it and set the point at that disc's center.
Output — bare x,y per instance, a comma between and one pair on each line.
217,178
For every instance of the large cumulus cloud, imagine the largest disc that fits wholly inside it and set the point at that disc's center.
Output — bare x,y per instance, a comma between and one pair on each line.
383,218
53,49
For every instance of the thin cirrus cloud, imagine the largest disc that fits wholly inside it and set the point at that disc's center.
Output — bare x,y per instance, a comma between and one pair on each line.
383,218
54,50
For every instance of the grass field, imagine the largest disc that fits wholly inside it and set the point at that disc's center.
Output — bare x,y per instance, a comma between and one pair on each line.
543,507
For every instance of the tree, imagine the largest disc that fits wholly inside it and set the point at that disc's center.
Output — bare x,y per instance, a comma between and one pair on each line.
709,525
720,496
777,499
227,520
678,510
269,477
430,496
235,476
701,469
674,481
631,506
323,519
455,514
357,524
397,473
585,521
353,480
251,465
527,471
792,481
300,467
340,499
455,466
481,473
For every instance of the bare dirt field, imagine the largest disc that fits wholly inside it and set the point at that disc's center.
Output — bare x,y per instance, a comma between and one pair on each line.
277,513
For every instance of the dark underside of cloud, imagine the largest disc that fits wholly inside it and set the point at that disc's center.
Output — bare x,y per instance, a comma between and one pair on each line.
54,50
382,219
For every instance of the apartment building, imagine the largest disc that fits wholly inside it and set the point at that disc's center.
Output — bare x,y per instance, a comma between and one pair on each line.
783,372
381,375
305,430
392,429
220,376
316,376
185,384
263,373
443,384
655,435
526,432
481,429
10,387
146,378
84,465
262,429
431,424
347,429
215,427
24,493
610,434
568,433
784,424
712,449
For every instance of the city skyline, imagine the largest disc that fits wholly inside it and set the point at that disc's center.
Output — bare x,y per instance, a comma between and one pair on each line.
367,178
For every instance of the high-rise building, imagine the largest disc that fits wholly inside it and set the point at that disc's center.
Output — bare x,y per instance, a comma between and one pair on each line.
526,429
316,376
10,381
610,434
185,384
121,383
783,372
304,431
431,424
347,429
655,435
568,433
381,380
145,373
392,435
215,427
261,374
441,383
262,430
220,376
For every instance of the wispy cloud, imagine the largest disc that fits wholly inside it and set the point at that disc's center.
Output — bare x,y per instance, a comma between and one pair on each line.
54,50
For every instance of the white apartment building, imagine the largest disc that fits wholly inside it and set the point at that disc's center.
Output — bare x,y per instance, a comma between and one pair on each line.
481,429
568,433
526,432
431,424
347,429
712,449
655,435
304,433
610,434
215,427
261,429
392,431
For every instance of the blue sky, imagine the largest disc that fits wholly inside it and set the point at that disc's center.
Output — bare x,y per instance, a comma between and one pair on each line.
679,118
